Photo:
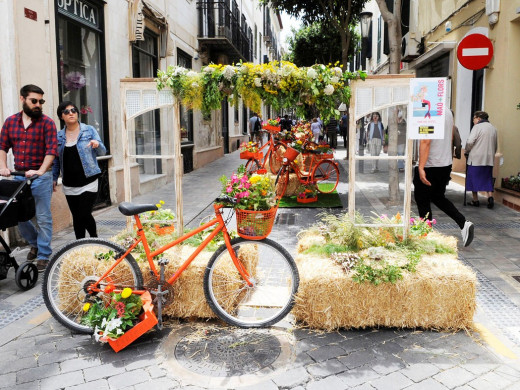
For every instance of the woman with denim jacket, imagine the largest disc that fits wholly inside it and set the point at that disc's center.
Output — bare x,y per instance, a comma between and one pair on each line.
78,146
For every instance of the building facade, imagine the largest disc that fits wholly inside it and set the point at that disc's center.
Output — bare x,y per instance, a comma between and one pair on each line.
79,50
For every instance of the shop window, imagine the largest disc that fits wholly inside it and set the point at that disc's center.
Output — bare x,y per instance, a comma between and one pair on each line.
185,60
147,125
80,60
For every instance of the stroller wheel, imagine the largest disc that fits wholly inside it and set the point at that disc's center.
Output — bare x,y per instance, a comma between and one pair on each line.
26,276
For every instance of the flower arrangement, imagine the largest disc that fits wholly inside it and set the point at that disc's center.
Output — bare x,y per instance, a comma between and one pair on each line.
250,146
512,182
308,191
86,110
272,122
284,135
115,318
298,145
74,81
277,84
421,227
253,192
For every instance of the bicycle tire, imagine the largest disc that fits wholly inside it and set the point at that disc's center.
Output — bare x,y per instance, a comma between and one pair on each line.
252,165
282,181
276,158
71,270
273,272
326,172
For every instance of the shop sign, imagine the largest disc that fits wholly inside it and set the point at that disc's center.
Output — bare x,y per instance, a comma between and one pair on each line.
426,108
79,10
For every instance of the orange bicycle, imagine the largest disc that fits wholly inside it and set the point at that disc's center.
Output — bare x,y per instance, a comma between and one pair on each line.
274,154
316,168
242,290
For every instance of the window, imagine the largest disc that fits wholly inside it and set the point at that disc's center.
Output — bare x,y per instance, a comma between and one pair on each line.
80,72
379,35
184,60
147,125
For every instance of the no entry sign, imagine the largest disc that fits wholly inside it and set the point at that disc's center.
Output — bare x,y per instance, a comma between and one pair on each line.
475,51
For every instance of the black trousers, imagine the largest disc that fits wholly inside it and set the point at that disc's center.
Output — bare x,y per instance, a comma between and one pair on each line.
81,208
425,195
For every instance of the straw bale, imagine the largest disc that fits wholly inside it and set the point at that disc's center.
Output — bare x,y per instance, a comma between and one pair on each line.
292,186
307,239
440,295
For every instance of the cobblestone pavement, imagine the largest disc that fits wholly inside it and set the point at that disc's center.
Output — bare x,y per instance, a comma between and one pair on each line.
39,353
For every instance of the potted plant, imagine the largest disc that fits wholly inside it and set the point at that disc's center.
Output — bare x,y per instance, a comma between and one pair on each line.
161,220
512,182
307,193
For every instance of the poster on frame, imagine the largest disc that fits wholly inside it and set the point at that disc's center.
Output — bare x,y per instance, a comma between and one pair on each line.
426,108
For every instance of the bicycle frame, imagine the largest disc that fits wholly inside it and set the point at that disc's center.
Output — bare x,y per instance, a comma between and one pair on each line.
141,239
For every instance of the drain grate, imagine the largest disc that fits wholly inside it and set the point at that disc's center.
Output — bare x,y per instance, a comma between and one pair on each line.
226,353
285,219
114,223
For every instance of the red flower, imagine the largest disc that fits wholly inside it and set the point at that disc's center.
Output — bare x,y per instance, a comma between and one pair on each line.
120,307
110,288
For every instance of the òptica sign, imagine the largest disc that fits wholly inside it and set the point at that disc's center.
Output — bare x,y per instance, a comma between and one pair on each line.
80,10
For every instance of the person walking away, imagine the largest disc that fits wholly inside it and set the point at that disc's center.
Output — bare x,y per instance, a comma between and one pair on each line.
343,128
78,146
286,123
255,125
480,149
31,135
316,130
332,132
401,139
431,177
376,135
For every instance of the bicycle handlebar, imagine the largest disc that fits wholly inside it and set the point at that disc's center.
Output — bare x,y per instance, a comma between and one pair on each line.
226,199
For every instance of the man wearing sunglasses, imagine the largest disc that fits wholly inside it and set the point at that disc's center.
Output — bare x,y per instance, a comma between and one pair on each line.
31,136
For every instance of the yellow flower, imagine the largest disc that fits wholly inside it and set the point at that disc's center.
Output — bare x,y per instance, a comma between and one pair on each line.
161,201
86,306
255,179
158,205
126,292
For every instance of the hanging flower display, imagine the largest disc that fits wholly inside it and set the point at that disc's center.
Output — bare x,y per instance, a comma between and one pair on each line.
74,81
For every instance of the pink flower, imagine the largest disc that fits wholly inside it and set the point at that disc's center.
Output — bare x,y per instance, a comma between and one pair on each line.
229,189
247,185
434,221
412,221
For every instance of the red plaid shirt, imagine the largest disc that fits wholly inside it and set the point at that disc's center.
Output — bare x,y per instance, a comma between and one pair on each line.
31,145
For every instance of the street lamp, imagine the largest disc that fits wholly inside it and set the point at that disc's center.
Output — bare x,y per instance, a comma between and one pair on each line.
365,18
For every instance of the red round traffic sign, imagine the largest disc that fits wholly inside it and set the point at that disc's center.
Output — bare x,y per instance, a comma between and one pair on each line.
475,51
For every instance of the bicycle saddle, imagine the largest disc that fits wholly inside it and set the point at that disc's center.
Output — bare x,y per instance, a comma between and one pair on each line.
130,209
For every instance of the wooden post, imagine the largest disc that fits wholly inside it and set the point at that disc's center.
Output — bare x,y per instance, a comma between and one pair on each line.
179,169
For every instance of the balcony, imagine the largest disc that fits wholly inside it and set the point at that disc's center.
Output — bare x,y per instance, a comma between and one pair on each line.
223,30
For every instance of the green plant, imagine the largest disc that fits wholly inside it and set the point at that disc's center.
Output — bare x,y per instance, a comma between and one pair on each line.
112,320
307,190
249,147
162,216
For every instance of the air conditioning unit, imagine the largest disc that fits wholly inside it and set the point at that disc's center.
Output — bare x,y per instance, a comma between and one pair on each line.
409,48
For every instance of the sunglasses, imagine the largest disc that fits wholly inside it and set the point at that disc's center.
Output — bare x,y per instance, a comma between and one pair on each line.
67,111
34,101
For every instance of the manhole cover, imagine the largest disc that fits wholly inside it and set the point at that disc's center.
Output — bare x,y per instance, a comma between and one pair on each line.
225,352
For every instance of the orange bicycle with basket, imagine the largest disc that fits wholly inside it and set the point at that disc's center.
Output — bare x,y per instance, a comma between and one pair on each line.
250,281
313,167
272,151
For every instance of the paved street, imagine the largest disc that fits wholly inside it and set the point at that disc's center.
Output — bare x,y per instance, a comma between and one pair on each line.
39,353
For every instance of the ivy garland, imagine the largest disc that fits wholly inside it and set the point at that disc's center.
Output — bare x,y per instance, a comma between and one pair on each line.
278,84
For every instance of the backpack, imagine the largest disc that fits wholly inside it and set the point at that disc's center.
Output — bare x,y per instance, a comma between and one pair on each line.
258,125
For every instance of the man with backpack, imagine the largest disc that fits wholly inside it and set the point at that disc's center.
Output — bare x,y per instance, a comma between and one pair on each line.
255,125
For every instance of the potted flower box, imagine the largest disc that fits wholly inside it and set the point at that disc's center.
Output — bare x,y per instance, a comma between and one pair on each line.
307,200
510,185
147,321
271,128
249,155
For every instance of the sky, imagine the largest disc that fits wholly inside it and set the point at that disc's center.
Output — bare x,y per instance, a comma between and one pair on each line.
288,22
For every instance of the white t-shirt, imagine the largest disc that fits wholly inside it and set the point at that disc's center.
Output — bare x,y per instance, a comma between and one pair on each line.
440,149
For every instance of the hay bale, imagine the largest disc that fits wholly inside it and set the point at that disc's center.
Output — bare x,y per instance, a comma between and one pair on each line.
440,295
307,239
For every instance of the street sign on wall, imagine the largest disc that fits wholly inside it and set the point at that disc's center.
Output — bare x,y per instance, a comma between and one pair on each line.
475,51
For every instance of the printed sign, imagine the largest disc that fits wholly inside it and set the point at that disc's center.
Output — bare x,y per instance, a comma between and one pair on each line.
426,108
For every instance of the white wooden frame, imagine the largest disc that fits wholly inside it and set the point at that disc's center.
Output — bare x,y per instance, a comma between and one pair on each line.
396,85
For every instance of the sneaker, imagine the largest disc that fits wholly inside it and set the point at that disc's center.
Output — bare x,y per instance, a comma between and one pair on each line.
467,233
491,202
41,265
33,252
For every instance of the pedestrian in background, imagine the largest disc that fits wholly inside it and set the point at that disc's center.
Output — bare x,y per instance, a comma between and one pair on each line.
376,136
255,125
32,137
316,130
431,177
480,149
332,132
78,146
401,138
343,128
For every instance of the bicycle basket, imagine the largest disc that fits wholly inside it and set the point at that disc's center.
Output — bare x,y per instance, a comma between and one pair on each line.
255,225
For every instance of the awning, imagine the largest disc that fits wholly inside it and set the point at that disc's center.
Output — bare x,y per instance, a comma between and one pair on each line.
439,49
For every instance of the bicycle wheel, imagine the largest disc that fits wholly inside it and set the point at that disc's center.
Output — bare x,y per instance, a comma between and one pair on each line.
275,282
282,180
276,158
326,174
252,165
77,265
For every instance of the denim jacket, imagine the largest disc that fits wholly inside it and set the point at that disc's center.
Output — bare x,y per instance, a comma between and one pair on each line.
87,155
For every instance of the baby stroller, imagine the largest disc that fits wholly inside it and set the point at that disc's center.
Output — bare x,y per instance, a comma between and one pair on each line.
16,205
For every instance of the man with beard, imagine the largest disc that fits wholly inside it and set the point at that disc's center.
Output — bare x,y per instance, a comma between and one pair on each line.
32,137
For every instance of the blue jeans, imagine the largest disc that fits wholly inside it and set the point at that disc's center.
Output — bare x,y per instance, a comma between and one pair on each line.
41,238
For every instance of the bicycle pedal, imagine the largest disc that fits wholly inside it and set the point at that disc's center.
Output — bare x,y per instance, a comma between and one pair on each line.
163,261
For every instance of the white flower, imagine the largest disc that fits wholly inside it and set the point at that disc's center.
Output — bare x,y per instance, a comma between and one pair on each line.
191,74
258,81
243,69
229,72
311,73
328,90
334,79
194,85
209,69
286,70
337,71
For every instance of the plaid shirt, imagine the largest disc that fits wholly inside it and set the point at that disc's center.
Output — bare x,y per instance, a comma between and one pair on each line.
31,145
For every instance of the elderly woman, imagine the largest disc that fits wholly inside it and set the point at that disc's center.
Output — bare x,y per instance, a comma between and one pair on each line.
78,146
480,150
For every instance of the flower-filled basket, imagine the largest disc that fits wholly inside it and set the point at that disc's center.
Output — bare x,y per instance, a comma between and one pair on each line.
291,153
255,202
249,150
271,128
147,321
160,221
307,193
250,155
